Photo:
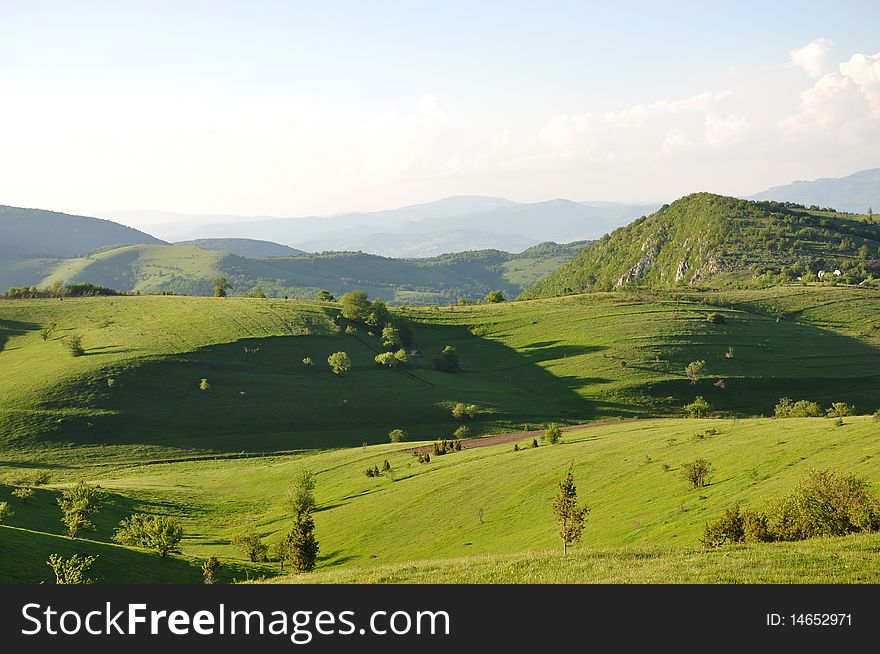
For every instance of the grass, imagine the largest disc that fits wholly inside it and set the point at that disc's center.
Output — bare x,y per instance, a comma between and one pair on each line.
849,560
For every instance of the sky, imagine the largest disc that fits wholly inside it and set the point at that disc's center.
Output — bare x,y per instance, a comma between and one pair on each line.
312,108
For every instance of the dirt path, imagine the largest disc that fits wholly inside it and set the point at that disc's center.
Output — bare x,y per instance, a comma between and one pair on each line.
513,436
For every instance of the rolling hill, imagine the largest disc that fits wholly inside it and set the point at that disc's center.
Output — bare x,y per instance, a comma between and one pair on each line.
36,234
244,247
714,241
188,269
855,193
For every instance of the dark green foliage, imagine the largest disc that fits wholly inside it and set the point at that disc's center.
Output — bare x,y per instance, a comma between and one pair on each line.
826,503
495,297
221,285
324,296
697,472
356,306
386,467
250,545
448,360
699,408
373,471
209,569
553,434
569,516
534,442
74,344
303,546
258,292
397,435
737,525
785,408
716,318
155,532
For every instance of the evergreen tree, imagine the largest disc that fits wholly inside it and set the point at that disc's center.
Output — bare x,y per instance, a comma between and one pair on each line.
569,515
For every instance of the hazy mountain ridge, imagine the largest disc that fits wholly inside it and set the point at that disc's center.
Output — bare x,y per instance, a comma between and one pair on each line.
854,193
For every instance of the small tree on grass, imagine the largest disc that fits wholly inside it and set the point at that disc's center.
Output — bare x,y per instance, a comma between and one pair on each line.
841,410
72,570
325,296
569,516
356,306
699,408
307,362
448,360
210,568
153,532
24,493
301,495
74,344
340,363
693,370
5,512
697,472
221,285
397,435
553,434
391,338
250,544
204,385
462,432
303,548
78,504
495,297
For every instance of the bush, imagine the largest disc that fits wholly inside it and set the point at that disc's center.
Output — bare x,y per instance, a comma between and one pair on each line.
72,570
553,434
302,546
351,329
74,344
307,362
154,532
301,494
386,467
841,410
737,526
693,370
391,338
699,408
825,504
697,472
462,432
785,408
534,442
495,297
5,512
24,493
716,319
250,544
78,504
204,385
877,415
386,359
340,363
397,435
372,472
209,569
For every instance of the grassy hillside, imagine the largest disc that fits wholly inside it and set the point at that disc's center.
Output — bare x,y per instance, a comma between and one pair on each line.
244,247
712,241
188,269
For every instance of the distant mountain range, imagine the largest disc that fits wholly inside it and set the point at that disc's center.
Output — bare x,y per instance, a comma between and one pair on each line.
854,193
453,224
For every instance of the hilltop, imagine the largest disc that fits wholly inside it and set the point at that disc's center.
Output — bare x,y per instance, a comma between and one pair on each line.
36,233
244,247
857,192
707,240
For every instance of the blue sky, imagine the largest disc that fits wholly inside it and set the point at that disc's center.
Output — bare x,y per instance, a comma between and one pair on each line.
294,108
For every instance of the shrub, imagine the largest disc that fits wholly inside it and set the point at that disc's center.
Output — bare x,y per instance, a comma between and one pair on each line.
5,512
516,447
24,493
458,411
72,570
716,319
697,472
401,357
307,362
391,338
397,435
372,472
340,363
699,408
494,297
386,359
693,370
78,504
301,494
534,442
841,410
737,526
325,296
204,385
553,434
303,547
386,467
74,344
877,415
825,504
351,329
210,568
785,408
462,432
729,353
250,544
154,532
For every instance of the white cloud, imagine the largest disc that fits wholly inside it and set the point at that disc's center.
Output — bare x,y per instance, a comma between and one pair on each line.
812,58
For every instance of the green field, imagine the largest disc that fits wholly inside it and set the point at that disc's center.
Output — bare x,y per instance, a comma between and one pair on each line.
220,460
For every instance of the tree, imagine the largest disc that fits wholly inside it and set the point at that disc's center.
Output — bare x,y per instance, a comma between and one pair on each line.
553,434
391,338
5,512
340,363
210,568
870,215
699,408
153,532
693,370
221,285
72,570
495,297
303,549
301,494
325,296
78,504
24,493
462,432
250,544
458,411
697,472
401,357
840,410
378,314
356,306
258,292
569,516
397,435
448,360
307,362
204,385
387,359
74,344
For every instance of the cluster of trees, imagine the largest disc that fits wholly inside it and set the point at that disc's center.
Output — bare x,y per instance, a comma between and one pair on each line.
787,408
58,290
825,503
